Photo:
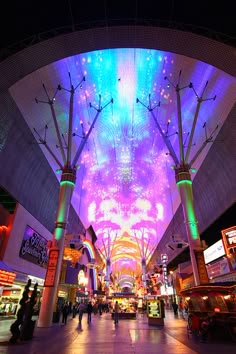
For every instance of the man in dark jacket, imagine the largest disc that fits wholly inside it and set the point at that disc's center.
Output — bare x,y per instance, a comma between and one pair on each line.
175,308
65,312
89,311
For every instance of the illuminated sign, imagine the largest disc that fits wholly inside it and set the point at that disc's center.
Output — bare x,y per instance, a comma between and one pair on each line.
35,280
218,268
164,258
34,247
229,237
203,277
214,252
7,277
52,267
154,308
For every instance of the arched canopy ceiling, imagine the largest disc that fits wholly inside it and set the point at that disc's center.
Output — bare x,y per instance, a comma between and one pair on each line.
125,184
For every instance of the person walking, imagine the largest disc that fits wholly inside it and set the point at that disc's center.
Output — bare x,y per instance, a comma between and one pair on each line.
65,311
74,310
175,308
116,312
100,308
89,311
81,310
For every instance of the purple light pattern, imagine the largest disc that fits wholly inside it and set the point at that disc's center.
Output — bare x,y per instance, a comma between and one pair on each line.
125,185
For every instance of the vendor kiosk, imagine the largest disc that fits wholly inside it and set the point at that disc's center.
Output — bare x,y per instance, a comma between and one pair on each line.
155,311
128,304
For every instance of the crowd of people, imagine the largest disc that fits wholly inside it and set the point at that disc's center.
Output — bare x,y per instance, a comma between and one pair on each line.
99,307
80,308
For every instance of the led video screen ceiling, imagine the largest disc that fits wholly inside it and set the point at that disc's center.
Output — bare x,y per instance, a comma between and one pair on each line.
125,184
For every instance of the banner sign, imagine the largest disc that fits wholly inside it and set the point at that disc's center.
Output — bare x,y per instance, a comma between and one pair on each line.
52,267
218,268
203,276
34,247
164,260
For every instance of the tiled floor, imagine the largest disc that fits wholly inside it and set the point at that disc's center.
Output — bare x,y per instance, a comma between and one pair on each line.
103,337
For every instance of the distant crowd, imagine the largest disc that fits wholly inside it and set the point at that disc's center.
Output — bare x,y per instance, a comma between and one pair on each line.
79,308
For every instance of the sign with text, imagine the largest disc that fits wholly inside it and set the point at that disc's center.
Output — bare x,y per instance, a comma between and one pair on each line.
52,267
154,308
34,247
164,258
213,252
229,237
218,268
203,277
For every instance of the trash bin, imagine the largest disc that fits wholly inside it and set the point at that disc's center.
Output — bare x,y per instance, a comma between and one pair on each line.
56,317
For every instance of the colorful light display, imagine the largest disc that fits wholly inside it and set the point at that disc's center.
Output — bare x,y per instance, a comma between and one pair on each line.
125,186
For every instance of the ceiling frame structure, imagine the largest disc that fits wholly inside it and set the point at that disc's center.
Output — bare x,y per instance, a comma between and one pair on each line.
32,69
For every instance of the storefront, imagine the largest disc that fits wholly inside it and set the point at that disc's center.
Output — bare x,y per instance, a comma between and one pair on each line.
8,291
218,263
25,258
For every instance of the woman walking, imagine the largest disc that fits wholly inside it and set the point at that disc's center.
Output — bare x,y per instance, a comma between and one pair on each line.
116,312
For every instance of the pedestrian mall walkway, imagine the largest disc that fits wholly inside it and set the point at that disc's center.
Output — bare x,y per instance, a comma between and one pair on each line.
103,337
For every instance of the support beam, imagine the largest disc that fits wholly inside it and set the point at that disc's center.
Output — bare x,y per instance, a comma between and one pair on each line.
67,184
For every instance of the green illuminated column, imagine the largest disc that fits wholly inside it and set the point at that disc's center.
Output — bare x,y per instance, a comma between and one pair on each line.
67,185
184,184
182,166
49,298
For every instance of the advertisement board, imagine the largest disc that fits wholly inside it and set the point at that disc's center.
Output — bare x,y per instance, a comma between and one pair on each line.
218,268
214,252
229,237
34,247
